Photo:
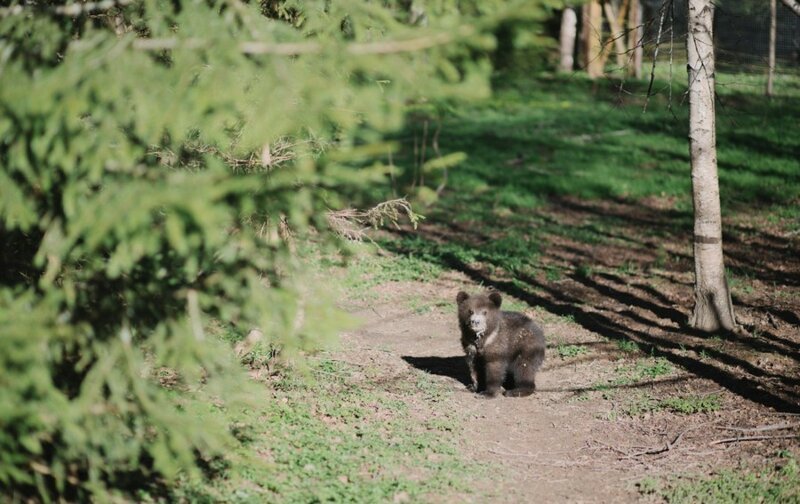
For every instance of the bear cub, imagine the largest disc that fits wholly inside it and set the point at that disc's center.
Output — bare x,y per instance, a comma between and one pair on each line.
500,346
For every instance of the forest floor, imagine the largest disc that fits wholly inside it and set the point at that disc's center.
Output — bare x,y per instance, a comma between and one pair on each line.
576,207
630,404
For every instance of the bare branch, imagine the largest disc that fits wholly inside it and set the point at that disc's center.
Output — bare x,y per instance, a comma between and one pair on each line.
763,428
753,438
794,5
353,224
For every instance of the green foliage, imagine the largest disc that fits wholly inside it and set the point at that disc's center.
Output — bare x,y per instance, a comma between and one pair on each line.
684,405
689,405
569,351
627,346
153,156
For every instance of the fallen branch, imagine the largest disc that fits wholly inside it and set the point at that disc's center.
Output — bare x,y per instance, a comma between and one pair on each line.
763,428
667,447
753,438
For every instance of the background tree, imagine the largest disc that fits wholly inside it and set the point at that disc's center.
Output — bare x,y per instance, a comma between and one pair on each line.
773,35
592,37
635,46
713,309
568,32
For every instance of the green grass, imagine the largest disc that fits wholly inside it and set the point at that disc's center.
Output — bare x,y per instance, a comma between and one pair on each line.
330,436
689,405
683,405
628,346
643,370
570,351
776,485
589,141
368,269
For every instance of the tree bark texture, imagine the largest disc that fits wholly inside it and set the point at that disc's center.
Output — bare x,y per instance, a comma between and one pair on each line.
773,32
635,39
593,41
569,25
713,308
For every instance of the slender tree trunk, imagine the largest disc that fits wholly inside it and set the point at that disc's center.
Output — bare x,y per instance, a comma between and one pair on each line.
569,23
593,32
635,39
617,35
713,308
773,32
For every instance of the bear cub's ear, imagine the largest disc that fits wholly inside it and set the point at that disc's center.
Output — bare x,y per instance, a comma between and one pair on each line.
461,297
495,298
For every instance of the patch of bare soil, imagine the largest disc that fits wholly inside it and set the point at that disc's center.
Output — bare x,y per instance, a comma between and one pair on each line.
590,434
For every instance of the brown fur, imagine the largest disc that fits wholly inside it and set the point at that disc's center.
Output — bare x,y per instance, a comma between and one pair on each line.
499,345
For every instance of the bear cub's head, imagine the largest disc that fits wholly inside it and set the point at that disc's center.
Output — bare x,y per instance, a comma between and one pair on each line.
480,313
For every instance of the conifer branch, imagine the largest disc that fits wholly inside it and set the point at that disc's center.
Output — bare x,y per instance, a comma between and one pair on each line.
71,10
299,48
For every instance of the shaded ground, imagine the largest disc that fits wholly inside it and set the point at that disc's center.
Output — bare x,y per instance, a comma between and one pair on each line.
622,366
576,207
592,431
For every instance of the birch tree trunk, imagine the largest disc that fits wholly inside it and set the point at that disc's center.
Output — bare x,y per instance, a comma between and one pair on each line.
593,31
635,39
569,24
773,32
713,308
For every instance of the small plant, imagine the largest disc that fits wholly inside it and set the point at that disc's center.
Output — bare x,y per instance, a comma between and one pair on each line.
584,271
653,368
553,274
689,405
648,486
627,346
569,351
627,268
641,405
662,256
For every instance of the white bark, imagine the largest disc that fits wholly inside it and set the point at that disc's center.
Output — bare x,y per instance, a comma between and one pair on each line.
713,307
569,25
635,36
773,32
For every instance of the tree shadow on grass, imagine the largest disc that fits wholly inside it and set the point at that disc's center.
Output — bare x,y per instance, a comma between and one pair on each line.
693,351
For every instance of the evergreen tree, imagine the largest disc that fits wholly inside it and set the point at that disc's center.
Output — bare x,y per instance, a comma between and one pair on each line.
151,153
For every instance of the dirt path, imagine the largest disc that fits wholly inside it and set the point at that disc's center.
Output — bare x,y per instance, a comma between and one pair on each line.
597,425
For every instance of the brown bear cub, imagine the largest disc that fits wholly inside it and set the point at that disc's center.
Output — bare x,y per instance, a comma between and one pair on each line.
499,345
